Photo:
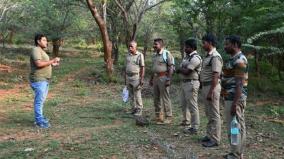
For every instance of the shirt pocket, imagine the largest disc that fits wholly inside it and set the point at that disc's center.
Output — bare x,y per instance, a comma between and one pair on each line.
160,60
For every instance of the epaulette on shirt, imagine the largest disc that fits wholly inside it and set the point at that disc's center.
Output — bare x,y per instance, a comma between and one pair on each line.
214,56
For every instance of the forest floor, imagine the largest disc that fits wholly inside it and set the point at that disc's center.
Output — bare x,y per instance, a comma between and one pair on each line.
89,120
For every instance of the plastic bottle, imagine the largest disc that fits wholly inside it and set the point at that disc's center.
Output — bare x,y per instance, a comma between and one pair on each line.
125,94
235,131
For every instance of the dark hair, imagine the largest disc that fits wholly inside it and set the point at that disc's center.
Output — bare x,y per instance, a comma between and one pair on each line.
235,40
160,41
38,37
191,43
210,38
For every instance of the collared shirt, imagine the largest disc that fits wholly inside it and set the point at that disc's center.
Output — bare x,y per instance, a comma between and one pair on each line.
211,63
133,64
191,62
43,73
235,67
159,63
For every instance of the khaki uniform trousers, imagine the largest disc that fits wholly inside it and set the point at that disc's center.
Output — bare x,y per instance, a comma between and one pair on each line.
189,104
134,89
162,102
237,150
212,111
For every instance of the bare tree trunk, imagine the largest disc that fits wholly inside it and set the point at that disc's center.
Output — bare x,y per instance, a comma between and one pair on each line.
3,38
115,50
145,48
256,57
105,10
93,40
280,66
181,43
11,36
56,43
139,12
105,37
147,37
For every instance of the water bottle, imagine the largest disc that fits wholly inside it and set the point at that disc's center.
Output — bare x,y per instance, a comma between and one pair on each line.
235,131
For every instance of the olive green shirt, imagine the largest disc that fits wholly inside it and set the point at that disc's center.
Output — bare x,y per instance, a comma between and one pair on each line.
39,74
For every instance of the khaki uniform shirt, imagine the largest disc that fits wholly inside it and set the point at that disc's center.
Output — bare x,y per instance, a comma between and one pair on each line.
39,74
211,63
133,64
191,63
159,63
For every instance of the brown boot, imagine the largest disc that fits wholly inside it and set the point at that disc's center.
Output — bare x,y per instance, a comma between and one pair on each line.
168,120
160,118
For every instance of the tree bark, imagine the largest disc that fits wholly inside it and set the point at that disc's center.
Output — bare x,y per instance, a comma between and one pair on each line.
11,37
115,50
105,37
256,57
132,26
56,43
147,37
280,66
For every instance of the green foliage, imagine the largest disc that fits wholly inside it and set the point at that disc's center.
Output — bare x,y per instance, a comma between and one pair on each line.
269,83
54,102
276,111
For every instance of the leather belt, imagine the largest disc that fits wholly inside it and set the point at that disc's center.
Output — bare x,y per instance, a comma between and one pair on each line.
189,80
160,74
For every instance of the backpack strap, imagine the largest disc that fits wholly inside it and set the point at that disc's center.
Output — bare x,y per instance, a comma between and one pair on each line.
195,54
165,55
199,57
210,62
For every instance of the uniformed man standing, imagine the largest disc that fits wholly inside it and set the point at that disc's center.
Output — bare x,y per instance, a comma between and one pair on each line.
162,72
211,88
189,71
134,76
234,85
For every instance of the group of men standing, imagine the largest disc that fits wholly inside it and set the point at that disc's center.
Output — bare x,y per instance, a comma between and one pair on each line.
208,73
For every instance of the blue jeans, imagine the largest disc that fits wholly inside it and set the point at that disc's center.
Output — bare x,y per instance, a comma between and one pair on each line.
40,90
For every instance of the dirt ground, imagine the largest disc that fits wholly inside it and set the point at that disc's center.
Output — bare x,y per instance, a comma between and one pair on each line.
85,114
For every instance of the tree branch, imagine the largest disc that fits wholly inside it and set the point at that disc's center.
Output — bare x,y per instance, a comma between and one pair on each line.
154,5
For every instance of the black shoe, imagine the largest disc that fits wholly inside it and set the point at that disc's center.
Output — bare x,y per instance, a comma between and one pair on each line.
205,139
210,144
137,112
134,111
232,156
190,131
